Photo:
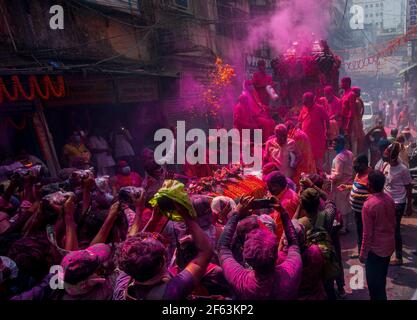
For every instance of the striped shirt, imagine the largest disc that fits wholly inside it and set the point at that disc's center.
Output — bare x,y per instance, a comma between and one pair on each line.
359,193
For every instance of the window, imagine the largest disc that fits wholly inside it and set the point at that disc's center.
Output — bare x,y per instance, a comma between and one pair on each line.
182,3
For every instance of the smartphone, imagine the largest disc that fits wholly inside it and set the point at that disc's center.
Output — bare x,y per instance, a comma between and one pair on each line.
262,203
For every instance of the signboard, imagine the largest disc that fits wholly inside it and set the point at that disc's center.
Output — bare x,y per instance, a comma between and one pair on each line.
251,65
412,13
387,66
137,89
86,91
107,90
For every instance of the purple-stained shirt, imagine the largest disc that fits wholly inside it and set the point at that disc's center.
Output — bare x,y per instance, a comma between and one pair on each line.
311,287
282,284
378,216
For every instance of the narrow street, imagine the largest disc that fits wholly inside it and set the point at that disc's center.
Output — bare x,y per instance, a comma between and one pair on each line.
401,281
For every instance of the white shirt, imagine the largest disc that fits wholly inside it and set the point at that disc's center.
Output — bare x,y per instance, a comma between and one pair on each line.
104,160
122,147
397,178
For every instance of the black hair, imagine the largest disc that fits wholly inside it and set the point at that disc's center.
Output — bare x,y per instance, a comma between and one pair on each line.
276,178
31,256
316,179
376,180
142,257
310,200
362,159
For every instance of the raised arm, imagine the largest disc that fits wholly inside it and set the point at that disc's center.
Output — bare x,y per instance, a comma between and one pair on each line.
105,229
71,240
87,186
197,267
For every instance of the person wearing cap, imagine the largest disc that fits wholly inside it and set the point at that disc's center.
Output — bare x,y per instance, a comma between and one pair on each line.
399,186
125,177
378,242
265,279
84,274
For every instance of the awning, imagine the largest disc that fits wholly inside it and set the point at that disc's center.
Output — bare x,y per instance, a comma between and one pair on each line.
407,70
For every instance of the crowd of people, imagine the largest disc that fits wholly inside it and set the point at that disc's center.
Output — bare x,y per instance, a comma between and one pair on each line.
119,236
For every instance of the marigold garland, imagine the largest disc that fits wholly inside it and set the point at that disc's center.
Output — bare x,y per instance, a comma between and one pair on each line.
35,89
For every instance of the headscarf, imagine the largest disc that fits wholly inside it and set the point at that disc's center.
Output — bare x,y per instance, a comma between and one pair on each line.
216,204
174,190
202,207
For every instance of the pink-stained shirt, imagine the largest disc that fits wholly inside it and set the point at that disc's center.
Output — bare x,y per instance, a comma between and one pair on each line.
314,123
290,201
280,155
281,284
334,108
378,217
243,117
348,110
311,287
260,81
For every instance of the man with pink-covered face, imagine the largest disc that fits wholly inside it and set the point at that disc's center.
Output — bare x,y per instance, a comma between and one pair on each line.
260,81
348,106
334,105
315,123
282,151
